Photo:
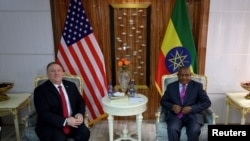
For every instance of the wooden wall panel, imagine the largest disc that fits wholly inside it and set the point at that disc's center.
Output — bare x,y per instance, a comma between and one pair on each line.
98,14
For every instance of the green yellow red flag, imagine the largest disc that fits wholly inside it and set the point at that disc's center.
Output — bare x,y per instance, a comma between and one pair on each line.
178,48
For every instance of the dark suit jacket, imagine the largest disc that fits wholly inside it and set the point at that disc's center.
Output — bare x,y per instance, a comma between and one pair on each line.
195,97
49,107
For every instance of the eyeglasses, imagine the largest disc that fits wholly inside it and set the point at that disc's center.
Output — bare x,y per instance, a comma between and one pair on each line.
184,75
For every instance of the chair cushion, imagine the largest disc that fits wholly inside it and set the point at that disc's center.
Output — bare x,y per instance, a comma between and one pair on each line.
29,134
161,126
77,79
162,135
167,79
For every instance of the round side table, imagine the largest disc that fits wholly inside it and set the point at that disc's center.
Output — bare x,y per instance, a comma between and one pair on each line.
134,107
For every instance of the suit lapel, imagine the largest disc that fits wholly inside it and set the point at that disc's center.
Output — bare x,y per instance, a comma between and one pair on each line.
177,91
188,92
54,90
67,88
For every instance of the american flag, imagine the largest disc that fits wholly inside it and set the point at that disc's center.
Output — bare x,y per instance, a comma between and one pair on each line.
79,53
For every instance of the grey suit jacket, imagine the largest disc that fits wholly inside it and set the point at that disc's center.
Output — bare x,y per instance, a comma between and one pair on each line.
195,97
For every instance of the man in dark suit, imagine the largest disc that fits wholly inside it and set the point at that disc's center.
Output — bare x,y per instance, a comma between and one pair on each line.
185,110
51,118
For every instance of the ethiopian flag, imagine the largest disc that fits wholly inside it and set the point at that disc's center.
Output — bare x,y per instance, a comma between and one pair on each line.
178,48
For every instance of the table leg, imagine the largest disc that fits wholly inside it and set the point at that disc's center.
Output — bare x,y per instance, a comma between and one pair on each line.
15,117
125,135
139,118
111,126
29,106
227,113
243,117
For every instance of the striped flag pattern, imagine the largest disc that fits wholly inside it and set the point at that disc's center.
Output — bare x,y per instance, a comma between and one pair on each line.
178,48
79,53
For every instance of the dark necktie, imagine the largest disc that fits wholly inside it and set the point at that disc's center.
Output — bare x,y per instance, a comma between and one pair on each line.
182,94
66,128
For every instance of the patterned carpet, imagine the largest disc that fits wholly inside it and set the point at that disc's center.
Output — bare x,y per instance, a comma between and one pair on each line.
99,132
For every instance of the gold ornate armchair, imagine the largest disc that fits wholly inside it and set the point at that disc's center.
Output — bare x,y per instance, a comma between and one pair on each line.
30,120
161,125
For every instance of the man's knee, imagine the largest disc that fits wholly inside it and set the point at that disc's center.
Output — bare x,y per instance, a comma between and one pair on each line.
84,134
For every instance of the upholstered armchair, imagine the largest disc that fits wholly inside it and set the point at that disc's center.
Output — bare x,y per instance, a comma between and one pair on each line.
29,133
161,125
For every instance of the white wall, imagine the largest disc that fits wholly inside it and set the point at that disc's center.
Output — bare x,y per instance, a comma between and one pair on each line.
26,46
26,42
228,52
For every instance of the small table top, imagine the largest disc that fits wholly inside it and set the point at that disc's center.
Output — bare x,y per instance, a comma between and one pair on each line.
134,106
15,100
239,99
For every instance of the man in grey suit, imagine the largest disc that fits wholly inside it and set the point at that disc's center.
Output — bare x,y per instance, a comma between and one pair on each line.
185,99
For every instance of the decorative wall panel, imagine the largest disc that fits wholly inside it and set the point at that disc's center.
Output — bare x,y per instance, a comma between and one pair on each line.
130,39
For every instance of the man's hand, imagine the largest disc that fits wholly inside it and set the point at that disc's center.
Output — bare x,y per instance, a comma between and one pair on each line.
75,121
79,117
176,109
186,110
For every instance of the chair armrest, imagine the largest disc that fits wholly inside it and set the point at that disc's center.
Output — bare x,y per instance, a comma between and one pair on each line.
210,116
161,114
157,114
30,120
86,122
